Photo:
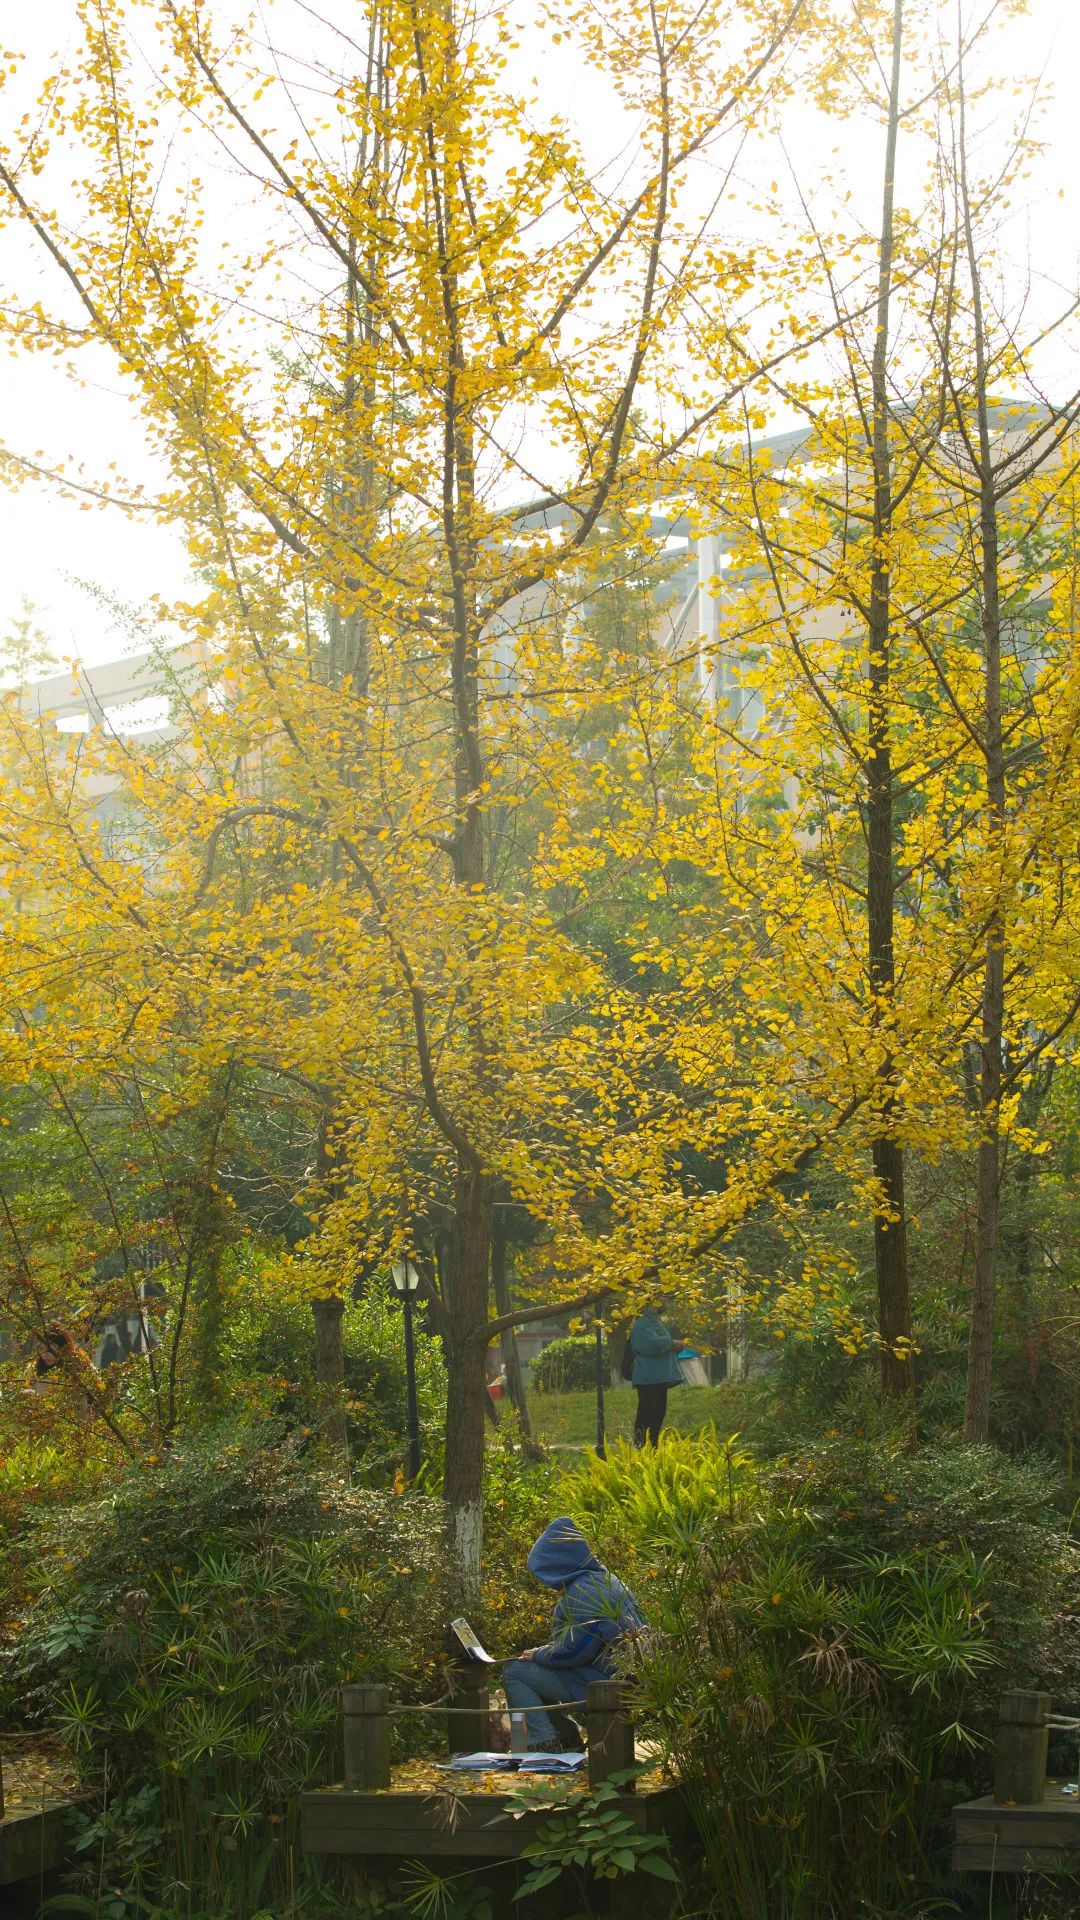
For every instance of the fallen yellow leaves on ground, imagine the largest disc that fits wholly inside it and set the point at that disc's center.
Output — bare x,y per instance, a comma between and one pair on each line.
35,1776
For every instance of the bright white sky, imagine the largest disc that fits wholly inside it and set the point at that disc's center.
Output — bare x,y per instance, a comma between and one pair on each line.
70,562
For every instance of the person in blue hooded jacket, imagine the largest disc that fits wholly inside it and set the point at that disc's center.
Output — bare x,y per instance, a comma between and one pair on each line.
593,1612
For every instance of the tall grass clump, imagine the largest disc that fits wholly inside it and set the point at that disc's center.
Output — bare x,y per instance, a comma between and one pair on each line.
632,1494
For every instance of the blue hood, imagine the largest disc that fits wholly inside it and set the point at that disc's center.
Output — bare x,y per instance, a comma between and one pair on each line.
593,1611
562,1553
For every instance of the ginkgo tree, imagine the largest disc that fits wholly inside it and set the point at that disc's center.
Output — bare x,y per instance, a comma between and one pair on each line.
906,812
401,303
486,877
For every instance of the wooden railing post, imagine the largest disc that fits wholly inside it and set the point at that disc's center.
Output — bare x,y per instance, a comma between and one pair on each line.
367,1737
1023,1734
470,1732
610,1732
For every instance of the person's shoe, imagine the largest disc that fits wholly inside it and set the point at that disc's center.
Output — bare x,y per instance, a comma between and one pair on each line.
567,1733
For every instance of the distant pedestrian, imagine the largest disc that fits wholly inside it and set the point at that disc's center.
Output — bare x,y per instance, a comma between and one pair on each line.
655,1369
496,1393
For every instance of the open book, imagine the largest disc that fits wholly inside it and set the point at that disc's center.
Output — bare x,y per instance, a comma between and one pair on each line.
513,1763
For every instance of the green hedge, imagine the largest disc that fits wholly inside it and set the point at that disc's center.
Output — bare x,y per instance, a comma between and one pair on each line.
568,1366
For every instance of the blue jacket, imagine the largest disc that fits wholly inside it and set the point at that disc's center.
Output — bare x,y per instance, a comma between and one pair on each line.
655,1364
593,1611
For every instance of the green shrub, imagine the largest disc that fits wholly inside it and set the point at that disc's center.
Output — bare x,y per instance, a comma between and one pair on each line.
567,1366
188,1642
1006,1511
834,1633
519,1500
269,1359
36,1476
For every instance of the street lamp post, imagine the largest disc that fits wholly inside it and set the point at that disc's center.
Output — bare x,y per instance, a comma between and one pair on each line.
406,1281
601,1434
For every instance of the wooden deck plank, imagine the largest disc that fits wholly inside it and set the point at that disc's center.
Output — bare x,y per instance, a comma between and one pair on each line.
34,1843
992,1836
340,1821
1004,1859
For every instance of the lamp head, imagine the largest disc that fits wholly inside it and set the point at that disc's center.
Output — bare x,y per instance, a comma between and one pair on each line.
406,1278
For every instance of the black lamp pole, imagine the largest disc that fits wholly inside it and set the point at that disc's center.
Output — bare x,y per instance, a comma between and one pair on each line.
412,1412
601,1435
406,1280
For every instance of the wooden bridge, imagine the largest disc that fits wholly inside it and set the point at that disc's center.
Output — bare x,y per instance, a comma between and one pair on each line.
1030,1822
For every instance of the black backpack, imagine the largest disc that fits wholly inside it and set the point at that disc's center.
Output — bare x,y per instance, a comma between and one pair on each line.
626,1366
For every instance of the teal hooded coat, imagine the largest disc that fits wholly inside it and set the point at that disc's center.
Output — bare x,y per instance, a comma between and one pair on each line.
655,1364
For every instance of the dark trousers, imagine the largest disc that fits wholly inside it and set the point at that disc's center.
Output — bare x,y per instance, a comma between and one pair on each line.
651,1408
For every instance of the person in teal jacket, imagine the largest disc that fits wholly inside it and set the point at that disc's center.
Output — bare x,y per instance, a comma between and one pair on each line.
655,1370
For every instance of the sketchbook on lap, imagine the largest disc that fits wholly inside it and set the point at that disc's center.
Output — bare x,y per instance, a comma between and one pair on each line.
469,1643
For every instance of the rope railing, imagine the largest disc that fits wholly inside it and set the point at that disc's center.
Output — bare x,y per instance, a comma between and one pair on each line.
435,1706
367,1712
1068,1723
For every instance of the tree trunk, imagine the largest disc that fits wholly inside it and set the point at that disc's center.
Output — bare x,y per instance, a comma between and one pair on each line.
891,1265
1025,1171
735,1344
992,1029
890,1223
466,1379
470,1233
984,1282
328,1315
515,1378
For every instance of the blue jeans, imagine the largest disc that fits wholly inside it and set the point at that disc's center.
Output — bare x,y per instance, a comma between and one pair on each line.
527,1683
